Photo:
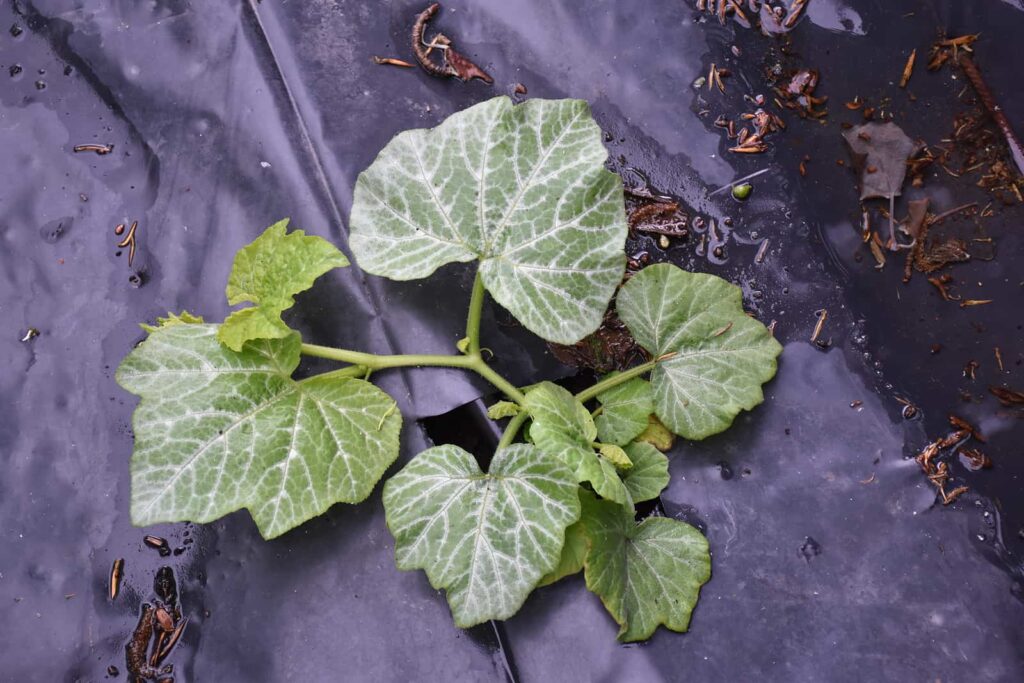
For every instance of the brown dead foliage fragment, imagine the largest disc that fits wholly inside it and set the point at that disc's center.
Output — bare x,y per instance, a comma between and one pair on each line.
1008,397
610,348
940,282
798,93
936,472
908,69
453,64
946,49
974,459
393,62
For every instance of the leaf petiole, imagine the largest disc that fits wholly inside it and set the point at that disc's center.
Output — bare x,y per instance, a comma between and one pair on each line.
476,307
509,435
369,362
621,378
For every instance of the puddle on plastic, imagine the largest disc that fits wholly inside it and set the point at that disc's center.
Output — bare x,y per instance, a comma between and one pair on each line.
271,110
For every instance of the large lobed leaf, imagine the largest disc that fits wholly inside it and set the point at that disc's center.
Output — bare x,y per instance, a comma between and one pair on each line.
646,574
521,188
487,539
217,431
563,428
269,272
722,356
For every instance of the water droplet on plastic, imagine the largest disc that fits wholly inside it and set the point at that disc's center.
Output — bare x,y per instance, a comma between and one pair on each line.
725,470
40,85
54,230
810,548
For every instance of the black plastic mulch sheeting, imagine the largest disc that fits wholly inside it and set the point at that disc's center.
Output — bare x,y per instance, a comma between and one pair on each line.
227,116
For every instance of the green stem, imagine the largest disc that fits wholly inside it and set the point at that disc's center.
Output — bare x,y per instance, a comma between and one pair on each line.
375,362
511,430
476,307
614,381
472,360
370,361
481,368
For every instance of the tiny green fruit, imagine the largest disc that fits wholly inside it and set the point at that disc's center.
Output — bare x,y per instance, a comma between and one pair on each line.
742,192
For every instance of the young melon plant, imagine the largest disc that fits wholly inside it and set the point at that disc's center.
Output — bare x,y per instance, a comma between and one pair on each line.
522,190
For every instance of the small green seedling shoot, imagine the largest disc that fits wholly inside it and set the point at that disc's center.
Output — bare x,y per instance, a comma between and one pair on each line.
522,191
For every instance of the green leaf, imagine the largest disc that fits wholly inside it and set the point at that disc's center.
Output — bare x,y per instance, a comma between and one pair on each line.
615,455
574,552
562,426
183,318
646,574
648,476
251,323
624,412
217,431
657,434
487,539
269,272
503,409
722,356
521,188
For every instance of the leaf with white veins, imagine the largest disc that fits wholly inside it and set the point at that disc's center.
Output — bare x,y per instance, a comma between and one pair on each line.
487,539
721,357
521,188
217,431
269,272
648,476
624,411
562,426
646,574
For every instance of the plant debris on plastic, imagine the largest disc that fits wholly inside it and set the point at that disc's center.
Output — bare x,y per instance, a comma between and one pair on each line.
851,173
